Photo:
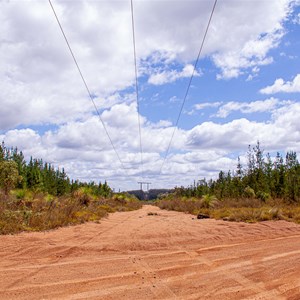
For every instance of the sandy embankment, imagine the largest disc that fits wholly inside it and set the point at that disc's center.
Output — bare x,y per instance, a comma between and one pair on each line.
133,255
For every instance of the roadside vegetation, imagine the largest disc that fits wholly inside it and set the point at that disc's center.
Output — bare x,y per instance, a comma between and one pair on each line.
240,210
35,196
264,189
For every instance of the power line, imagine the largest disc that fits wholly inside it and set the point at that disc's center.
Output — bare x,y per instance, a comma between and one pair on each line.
189,85
136,85
86,86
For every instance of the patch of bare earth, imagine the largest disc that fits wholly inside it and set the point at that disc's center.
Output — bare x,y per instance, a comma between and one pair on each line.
137,255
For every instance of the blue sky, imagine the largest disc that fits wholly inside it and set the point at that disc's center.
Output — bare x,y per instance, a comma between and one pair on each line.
246,86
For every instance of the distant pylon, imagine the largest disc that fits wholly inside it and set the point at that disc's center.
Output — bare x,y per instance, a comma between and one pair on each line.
143,182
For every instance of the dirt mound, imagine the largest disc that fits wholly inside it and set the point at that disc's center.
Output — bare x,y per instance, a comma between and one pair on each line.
153,254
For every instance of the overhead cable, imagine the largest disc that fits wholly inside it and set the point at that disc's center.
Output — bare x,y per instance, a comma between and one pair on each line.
189,85
86,86
136,85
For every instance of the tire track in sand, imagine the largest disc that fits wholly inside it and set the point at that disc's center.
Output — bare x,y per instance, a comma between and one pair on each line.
168,256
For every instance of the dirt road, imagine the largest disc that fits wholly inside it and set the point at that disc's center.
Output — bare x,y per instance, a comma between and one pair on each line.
133,255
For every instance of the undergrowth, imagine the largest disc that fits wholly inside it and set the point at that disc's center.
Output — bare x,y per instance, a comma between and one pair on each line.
240,210
27,211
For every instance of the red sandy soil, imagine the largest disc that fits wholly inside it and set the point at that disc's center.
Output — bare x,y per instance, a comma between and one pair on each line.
133,255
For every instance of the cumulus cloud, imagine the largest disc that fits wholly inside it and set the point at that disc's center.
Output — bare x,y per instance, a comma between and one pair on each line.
204,105
254,73
24,138
171,76
238,134
267,105
234,47
280,86
251,43
202,151
162,124
40,84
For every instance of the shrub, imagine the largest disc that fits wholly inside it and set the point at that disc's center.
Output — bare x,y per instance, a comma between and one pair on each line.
9,175
83,196
20,194
263,196
209,201
249,192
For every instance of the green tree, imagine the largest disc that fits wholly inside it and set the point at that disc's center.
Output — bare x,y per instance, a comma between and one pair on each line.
261,185
33,174
279,177
292,176
250,174
18,158
2,151
9,175
63,182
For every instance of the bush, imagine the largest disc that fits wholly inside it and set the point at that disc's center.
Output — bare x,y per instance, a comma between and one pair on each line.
20,194
249,192
83,196
9,175
209,201
263,196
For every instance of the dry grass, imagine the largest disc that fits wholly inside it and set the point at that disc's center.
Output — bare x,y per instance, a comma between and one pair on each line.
43,212
239,210
187,205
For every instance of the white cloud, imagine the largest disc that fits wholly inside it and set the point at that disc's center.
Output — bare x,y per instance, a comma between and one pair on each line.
24,138
83,149
39,83
234,64
174,99
254,73
161,124
204,105
233,46
173,75
238,134
296,19
248,46
267,105
280,86
287,117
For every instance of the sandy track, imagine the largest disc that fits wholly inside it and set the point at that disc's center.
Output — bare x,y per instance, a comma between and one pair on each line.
133,255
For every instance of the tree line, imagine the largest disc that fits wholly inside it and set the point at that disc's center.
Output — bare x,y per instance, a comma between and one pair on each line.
40,176
262,178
